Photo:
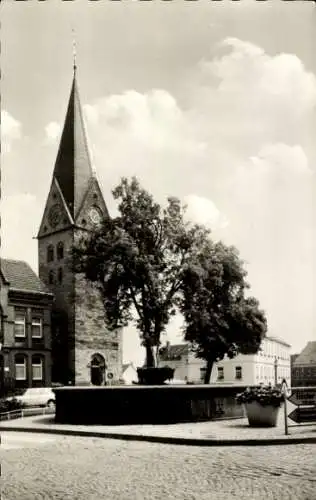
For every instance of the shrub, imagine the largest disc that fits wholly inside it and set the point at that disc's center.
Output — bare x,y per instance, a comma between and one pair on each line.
265,395
7,405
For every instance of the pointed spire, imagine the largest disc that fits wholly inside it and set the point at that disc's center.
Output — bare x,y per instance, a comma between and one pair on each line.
73,168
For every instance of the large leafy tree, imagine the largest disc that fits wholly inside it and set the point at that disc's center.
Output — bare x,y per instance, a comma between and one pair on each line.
220,319
148,262
137,260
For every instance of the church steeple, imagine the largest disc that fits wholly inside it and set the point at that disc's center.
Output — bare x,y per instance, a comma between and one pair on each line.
74,207
73,168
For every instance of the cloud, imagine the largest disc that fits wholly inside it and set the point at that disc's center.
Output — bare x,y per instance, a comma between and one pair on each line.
276,172
234,104
152,120
203,211
52,131
20,219
10,130
245,96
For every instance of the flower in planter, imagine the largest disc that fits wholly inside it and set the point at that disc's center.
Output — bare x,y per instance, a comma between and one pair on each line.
264,395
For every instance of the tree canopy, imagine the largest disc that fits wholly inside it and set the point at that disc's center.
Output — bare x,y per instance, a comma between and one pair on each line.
219,318
149,263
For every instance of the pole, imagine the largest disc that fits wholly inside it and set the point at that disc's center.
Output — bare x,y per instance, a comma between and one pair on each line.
284,390
275,371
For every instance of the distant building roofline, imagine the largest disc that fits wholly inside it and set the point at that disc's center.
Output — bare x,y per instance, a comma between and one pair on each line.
277,339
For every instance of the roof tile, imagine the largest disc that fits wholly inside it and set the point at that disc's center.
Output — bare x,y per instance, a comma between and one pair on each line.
21,276
307,356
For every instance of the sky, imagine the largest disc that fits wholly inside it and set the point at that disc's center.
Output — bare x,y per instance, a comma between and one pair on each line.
212,102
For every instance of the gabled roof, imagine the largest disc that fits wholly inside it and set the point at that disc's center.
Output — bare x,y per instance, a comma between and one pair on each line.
307,356
20,276
173,352
73,168
126,365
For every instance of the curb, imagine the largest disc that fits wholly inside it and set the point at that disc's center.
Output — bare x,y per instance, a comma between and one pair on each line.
166,439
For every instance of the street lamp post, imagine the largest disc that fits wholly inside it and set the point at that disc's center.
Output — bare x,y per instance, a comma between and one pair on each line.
275,371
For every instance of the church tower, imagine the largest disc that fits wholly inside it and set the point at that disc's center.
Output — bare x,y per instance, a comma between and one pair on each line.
84,351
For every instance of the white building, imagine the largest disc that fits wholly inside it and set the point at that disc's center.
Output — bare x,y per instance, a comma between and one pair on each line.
129,373
186,366
270,365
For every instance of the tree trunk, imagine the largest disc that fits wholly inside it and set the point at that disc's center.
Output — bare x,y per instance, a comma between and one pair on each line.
157,355
150,358
208,371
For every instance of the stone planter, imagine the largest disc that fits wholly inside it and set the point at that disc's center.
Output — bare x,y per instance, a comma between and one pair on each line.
261,416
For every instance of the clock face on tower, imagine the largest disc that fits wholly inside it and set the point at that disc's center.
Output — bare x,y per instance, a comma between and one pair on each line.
95,215
54,215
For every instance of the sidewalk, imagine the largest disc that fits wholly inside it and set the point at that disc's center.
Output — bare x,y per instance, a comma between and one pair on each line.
217,433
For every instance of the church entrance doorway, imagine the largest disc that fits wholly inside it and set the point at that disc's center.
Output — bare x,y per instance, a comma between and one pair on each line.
97,369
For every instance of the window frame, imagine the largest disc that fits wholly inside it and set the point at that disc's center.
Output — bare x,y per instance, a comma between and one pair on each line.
19,366
18,322
37,365
220,373
238,371
37,320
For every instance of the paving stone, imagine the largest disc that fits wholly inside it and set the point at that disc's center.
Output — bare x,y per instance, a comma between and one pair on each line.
80,468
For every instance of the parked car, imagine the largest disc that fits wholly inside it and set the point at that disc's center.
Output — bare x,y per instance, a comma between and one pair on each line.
37,396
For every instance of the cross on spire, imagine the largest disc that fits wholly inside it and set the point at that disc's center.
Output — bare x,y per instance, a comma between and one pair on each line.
74,50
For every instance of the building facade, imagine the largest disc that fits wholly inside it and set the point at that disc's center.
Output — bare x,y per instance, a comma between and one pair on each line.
187,367
25,328
304,367
83,350
269,366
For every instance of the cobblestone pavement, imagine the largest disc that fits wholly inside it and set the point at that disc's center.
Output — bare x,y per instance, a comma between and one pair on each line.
41,467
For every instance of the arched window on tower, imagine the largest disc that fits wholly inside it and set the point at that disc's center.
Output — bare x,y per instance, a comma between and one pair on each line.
60,250
60,275
51,277
50,253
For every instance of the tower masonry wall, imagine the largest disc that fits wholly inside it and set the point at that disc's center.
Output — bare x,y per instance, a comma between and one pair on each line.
92,336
